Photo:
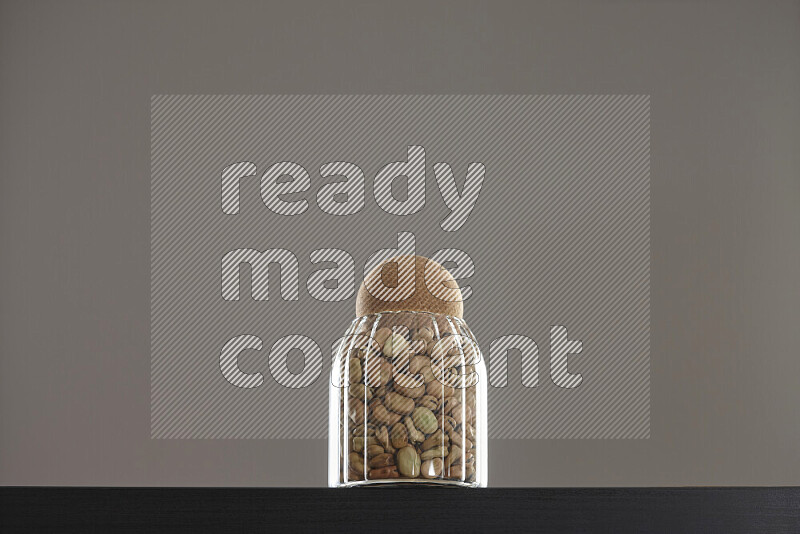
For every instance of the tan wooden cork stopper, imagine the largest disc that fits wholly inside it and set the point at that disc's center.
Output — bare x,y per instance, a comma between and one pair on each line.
409,283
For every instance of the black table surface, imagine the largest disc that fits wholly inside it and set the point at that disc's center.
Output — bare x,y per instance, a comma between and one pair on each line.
411,510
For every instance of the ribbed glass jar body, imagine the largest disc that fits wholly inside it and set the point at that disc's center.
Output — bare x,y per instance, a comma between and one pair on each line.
407,403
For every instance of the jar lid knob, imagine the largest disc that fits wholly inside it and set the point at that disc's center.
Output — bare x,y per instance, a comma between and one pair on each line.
409,283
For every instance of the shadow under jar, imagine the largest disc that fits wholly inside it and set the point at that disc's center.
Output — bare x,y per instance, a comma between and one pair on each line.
408,403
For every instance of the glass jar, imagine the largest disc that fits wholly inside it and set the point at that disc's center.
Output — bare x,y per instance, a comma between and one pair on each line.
407,403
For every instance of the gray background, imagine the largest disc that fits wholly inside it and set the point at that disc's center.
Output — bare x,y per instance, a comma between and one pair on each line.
75,86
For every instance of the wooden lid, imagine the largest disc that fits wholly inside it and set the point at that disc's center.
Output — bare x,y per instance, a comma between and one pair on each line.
409,283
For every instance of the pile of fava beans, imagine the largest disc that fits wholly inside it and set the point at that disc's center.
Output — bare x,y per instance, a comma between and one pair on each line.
408,407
